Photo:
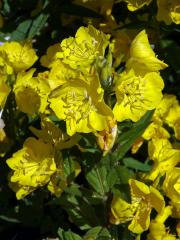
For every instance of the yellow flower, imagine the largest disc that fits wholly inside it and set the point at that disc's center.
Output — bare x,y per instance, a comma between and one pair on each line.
176,128
141,56
165,213
32,165
167,103
82,50
165,157
4,92
171,185
21,191
18,56
157,228
50,58
4,67
134,5
167,112
168,11
58,183
120,45
136,94
60,73
173,119
2,132
52,134
81,105
155,130
175,12
121,211
143,199
31,92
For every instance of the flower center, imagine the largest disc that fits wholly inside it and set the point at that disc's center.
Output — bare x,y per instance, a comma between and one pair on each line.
132,92
83,51
78,105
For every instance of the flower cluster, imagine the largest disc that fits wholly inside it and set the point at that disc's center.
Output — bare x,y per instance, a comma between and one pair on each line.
80,91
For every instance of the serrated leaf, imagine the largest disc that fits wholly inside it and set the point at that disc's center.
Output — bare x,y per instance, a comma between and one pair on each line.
135,164
37,25
126,140
68,235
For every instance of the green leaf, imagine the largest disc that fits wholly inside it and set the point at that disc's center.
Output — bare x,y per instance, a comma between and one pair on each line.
6,7
74,190
89,144
135,164
63,235
37,25
9,219
70,167
123,174
97,178
112,177
79,208
126,140
97,233
121,188
29,28
21,31
103,176
120,232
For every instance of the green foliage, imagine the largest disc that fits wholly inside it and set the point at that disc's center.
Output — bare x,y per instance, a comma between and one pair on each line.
68,235
137,165
126,140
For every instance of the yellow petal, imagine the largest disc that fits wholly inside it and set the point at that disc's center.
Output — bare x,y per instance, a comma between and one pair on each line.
121,211
142,58
141,220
